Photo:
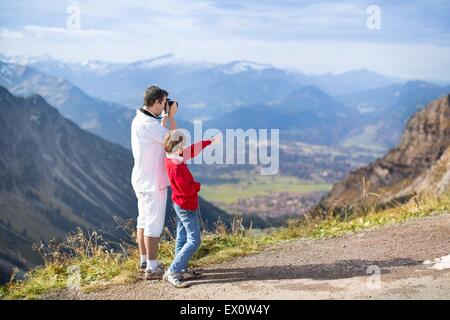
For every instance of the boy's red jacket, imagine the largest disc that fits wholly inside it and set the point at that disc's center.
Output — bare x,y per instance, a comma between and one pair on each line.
184,188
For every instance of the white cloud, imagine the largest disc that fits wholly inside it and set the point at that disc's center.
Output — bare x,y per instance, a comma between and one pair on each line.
10,34
41,31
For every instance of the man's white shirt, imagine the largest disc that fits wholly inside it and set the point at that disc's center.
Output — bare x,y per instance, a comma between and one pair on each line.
149,173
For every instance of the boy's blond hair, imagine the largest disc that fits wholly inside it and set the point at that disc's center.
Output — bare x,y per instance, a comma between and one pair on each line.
174,141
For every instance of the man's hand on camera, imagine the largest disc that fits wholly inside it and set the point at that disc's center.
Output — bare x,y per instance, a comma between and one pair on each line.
173,109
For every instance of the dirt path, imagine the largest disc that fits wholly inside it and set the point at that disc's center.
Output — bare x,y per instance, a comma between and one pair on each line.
325,269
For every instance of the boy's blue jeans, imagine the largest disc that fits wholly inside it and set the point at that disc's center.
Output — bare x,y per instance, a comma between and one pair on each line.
188,238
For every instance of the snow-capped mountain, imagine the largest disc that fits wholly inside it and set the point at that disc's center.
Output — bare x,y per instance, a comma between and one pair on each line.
244,66
220,87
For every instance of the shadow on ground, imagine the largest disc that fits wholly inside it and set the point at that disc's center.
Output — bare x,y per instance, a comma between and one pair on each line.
339,270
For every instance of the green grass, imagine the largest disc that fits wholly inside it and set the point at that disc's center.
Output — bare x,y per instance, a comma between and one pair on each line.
99,267
81,255
338,226
262,185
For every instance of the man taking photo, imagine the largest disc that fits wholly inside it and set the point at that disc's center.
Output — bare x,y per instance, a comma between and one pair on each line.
149,178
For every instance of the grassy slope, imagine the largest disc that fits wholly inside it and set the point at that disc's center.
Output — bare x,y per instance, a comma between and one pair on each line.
99,267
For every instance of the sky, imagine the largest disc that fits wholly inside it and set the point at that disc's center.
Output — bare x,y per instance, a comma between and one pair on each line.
406,39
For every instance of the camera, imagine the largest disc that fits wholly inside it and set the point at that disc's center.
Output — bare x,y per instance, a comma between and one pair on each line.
169,104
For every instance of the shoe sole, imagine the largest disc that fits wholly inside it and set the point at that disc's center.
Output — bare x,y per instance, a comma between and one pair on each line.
179,287
153,277
186,285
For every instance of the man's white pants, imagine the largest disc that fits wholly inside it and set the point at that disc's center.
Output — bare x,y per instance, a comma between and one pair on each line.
152,211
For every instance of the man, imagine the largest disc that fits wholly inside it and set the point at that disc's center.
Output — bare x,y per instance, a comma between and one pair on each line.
149,178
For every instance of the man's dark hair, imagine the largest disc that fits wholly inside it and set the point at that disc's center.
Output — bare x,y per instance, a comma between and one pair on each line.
153,94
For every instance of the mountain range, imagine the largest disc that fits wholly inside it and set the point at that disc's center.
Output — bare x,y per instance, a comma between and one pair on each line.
359,108
385,111
307,114
198,84
362,108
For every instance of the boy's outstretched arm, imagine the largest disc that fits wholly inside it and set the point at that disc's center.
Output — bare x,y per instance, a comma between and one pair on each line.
193,150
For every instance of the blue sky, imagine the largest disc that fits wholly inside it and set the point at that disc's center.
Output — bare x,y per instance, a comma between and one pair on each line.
311,36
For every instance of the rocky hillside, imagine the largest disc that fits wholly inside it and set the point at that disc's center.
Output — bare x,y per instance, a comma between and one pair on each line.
435,180
420,162
55,177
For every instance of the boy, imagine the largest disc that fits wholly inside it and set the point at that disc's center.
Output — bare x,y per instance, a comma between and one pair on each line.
185,202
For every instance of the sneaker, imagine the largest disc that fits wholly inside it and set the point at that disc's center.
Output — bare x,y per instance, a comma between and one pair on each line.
176,280
156,274
143,266
190,274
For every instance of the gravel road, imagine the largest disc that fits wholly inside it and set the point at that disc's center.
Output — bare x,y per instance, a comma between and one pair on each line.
339,268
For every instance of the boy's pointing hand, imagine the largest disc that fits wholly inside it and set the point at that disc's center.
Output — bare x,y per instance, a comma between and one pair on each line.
217,138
